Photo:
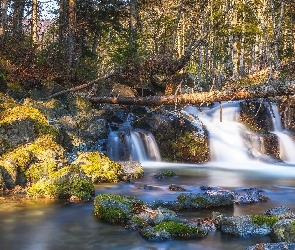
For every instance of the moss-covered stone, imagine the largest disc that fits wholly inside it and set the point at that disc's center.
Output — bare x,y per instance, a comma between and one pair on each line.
22,124
69,182
115,208
262,219
180,230
30,163
99,167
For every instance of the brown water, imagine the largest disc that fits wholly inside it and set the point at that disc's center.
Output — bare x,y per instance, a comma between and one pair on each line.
40,225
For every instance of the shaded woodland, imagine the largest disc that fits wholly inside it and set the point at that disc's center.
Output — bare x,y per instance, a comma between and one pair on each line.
166,47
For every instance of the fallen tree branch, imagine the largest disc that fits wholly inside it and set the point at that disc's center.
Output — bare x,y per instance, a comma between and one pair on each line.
267,90
83,86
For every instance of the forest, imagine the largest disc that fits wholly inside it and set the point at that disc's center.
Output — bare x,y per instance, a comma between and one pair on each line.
157,45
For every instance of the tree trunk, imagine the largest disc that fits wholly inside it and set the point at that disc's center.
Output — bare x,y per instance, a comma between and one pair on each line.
267,90
133,25
18,16
34,22
4,17
71,32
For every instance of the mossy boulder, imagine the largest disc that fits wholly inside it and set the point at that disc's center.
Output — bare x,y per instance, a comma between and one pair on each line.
69,182
284,230
180,230
29,163
245,225
99,167
115,208
22,124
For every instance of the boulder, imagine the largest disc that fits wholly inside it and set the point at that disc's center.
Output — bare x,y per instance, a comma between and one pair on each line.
283,230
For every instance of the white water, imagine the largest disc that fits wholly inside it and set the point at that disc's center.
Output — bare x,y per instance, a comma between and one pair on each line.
128,144
287,144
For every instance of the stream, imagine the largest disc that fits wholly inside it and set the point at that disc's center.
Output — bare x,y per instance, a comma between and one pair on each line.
48,225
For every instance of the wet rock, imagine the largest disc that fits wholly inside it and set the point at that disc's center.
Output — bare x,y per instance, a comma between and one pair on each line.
281,212
147,187
242,226
150,234
131,170
173,187
283,230
253,195
273,246
186,135
168,173
205,188
172,229
196,201
115,208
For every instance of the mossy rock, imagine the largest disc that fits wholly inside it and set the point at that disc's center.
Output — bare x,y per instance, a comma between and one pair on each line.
180,230
30,163
115,208
99,167
172,229
22,124
69,182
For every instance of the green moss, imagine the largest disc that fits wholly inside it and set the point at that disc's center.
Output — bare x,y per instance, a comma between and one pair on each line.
262,219
99,167
182,198
23,112
34,161
200,200
169,173
63,184
178,229
115,208
293,227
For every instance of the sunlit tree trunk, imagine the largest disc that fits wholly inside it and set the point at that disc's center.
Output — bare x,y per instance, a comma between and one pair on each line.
34,22
233,51
277,31
3,24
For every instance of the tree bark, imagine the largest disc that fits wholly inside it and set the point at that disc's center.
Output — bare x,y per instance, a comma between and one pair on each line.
268,90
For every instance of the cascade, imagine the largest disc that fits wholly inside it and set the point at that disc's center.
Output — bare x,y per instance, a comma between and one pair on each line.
287,144
129,144
226,138
226,141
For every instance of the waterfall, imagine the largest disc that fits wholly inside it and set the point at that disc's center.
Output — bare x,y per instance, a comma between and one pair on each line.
226,138
129,144
287,144
226,141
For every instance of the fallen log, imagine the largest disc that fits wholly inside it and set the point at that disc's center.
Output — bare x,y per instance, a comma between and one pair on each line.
267,90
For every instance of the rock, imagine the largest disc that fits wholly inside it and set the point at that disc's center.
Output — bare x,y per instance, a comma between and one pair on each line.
69,182
253,195
131,170
280,212
196,201
150,234
242,226
115,208
99,167
283,230
174,187
168,173
187,136
273,246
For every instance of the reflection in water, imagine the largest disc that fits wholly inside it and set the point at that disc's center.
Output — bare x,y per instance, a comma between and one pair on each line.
73,226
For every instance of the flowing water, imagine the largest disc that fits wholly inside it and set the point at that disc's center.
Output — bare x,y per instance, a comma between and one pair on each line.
53,225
